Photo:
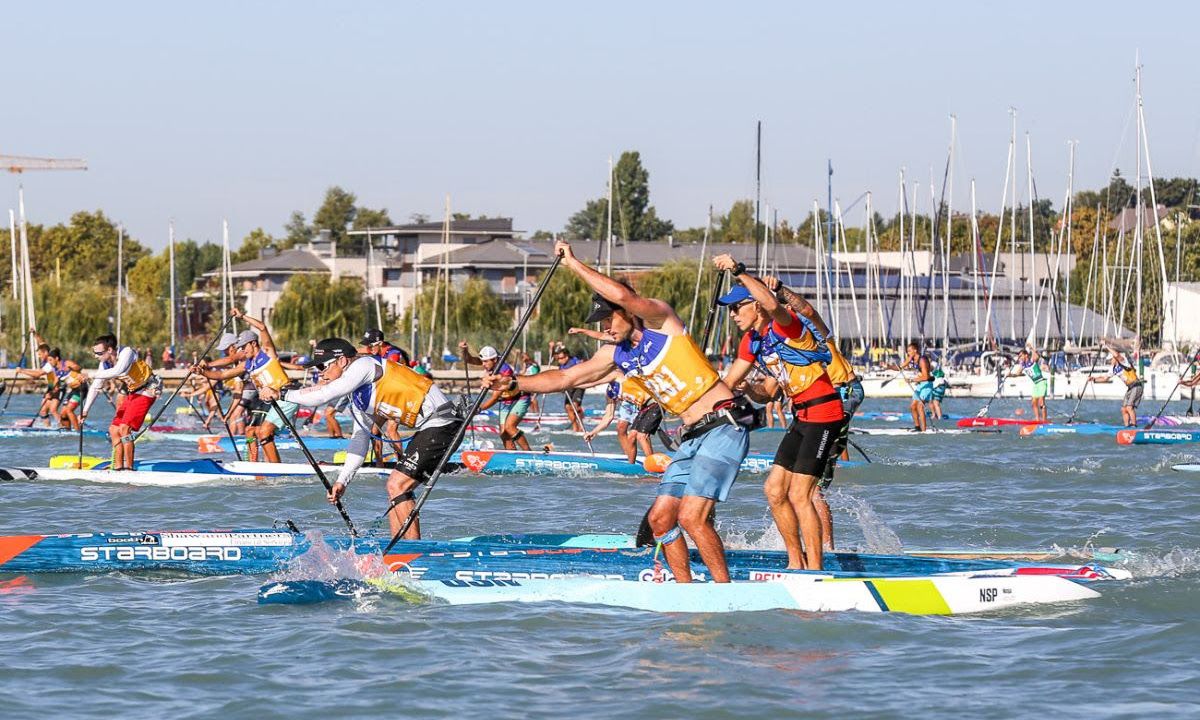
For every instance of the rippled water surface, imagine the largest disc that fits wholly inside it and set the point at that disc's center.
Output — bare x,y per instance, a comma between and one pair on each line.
138,646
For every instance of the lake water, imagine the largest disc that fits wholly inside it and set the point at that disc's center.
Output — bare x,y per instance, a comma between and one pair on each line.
152,646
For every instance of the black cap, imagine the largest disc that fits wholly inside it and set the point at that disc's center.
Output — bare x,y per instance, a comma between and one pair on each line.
372,336
601,308
330,349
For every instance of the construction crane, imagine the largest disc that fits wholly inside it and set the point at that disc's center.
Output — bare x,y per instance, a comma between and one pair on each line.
18,164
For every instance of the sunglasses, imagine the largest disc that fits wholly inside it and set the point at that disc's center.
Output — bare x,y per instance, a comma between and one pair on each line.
99,353
739,305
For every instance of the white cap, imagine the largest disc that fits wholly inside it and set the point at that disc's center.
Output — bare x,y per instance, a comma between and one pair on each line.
487,352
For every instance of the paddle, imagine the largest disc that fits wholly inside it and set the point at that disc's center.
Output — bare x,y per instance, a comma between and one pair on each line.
1083,390
221,412
1191,401
315,466
81,445
207,350
859,449
578,414
462,428
711,321
463,399
1161,410
7,400
999,386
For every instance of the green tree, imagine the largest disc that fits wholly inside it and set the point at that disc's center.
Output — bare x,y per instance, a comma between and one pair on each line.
737,226
477,314
336,213
675,284
192,261
312,307
297,231
565,304
589,223
633,213
364,219
84,249
251,245
72,326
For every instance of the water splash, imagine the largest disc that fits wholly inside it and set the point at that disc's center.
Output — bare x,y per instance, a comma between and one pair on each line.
1175,562
324,563
877,536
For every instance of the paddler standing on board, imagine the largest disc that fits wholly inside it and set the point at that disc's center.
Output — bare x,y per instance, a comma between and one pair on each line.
262,368
921,384
140,387
381,390
849,388
514,405
1029,364
647,340
791,351
1134,386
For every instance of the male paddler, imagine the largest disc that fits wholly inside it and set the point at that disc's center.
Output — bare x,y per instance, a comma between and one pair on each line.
921,384
381,390
646,339
791,351
139,385
261,366
513,405
1134,386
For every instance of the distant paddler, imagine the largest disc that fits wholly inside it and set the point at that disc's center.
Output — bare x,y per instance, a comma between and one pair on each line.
791,350
921,384
73,388
261,366
647,340
139,386
512,405
1029,364
1134,386
381,390
624,400
940,386
46,371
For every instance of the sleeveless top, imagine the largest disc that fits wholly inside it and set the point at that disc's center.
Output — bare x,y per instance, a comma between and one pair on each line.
397,395
671,368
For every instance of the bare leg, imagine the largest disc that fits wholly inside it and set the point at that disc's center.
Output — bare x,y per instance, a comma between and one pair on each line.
776,490
818,501
628,445
800,492
643,441
664,515
331,423
693,517
266,431
397,484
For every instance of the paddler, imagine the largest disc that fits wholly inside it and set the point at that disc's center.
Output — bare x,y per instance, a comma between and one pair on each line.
382,390
573,398
624,399
46,372
647,340
513,406
73,387
850,390
1134,386
1029,364
940,385
921,384
791,351
139,386
262,368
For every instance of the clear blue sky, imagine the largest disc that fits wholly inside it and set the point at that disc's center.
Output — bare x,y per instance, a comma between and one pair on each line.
251,110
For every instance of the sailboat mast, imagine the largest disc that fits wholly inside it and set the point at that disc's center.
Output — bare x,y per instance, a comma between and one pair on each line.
171,255
28,284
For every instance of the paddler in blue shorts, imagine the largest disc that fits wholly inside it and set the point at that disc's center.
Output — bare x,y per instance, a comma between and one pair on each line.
1030,365
513,405
647,340
921,384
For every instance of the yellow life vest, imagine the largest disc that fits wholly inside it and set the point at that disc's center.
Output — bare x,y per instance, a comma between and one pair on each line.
270,375
233,384
634,392
839,369
137,376
1129,375
75,379
399,394
677,374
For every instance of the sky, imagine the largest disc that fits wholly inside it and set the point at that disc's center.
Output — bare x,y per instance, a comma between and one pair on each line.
199,112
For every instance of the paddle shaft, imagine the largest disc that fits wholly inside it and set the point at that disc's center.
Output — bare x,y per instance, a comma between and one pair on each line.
1171,394
212,343
579,415
462,428
999,386
857,447
1083,390
711,321
315,466
221,412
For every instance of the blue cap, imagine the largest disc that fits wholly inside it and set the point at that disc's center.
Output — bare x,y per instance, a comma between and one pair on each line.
737,294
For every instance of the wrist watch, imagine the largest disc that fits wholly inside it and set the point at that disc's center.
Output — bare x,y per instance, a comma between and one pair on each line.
738,269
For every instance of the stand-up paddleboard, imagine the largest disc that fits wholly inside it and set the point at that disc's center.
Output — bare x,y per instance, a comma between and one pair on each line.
983,422
1072,429
1157,437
